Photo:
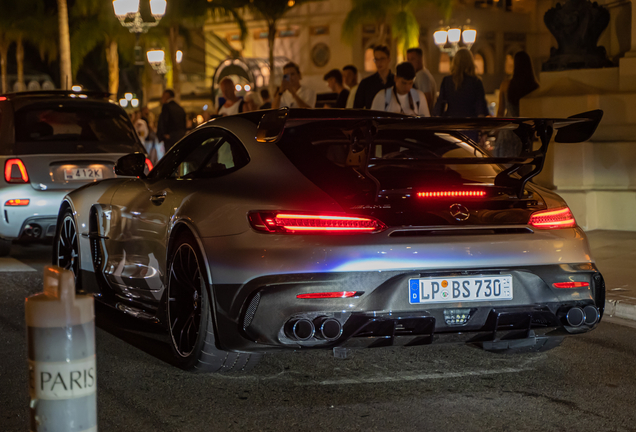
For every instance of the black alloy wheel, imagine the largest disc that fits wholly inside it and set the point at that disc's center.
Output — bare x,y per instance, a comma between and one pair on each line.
67,248
189,311
185,292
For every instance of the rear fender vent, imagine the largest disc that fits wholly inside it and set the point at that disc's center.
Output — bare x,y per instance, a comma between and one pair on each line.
251,310
458,232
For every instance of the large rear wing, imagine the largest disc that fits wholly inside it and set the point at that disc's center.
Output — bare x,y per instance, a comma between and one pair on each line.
364,126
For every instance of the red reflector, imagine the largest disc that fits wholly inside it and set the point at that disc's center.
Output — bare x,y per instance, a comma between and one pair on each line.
3,98
571,284
451,194
553,219
17,202
15,171
336,294
298,223
149,165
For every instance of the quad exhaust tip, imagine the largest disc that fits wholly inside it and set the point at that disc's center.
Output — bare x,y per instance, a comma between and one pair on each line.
576,316
328,329
303,329
300,329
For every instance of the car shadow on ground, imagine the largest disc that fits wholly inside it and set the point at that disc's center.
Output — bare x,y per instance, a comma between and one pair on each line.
149,338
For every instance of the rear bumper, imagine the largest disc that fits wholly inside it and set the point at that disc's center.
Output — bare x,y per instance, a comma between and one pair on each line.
42,210
258,315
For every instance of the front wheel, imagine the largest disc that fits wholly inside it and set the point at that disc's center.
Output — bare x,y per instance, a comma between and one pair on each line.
190,314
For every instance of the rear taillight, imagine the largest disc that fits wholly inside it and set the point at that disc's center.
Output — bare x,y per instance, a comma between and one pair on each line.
571,284
149,165
300,223
552,219
15,171
452,194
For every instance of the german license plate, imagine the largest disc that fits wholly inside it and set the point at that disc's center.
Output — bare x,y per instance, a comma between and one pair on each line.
460,289
83,174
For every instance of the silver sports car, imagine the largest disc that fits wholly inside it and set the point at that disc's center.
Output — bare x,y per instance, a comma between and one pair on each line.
306,229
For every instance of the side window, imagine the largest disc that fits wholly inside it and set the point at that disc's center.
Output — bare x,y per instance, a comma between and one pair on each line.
209,152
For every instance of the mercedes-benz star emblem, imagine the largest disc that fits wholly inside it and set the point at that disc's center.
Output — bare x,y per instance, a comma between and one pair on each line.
459,212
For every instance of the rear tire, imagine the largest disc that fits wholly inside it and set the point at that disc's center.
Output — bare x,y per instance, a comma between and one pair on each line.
66,245
5,247
189,313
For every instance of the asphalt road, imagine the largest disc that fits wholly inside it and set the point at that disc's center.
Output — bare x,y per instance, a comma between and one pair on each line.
589,383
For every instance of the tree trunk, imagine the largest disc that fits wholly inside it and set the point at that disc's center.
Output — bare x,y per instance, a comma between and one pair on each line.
112,58
176,67
4,50
271,39
19,58
66,79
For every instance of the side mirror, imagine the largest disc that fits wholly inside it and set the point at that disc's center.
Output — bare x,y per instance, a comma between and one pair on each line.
131,165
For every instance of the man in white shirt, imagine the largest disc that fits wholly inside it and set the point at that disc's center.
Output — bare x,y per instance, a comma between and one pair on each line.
290,93
402,98
424,80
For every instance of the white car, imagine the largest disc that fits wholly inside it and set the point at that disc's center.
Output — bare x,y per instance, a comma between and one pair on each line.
52,142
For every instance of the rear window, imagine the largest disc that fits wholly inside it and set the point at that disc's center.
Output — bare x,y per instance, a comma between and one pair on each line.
74,128
331,158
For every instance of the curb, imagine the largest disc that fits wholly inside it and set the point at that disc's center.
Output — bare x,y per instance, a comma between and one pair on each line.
614,308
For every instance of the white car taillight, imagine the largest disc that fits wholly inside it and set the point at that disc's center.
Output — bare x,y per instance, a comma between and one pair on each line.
15,171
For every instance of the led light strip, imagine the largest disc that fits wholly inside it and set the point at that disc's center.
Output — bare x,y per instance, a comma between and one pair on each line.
443,194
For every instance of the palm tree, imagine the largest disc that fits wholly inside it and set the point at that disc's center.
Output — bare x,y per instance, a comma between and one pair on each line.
272,11
65,45
97,26
16,22
396,14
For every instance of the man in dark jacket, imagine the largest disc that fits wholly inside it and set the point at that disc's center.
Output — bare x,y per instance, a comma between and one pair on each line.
382,79
171,126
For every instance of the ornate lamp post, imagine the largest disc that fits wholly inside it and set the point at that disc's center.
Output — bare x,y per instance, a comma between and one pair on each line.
131,14
450,39
157,59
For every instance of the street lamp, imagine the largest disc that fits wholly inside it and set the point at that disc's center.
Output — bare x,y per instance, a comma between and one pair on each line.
450,39
157,59
130,15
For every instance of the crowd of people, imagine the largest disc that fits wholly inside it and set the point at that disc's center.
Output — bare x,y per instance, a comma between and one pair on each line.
411,90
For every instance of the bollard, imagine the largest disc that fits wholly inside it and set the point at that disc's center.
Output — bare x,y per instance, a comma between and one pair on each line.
61,341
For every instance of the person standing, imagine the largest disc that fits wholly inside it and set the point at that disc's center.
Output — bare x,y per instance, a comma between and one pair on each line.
171,126
513,89
350,78
233,104
291,93
382,79
267,102
334,81
424,80
402,98
461,93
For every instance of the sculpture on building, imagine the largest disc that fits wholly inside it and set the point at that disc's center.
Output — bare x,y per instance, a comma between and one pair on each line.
577,25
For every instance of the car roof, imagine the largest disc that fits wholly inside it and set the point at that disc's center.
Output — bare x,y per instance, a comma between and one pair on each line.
20,99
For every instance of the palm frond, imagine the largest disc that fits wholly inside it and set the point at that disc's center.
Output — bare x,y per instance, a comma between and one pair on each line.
365,10
406,30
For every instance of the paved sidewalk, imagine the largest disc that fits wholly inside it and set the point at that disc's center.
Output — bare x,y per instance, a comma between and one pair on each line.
615,256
